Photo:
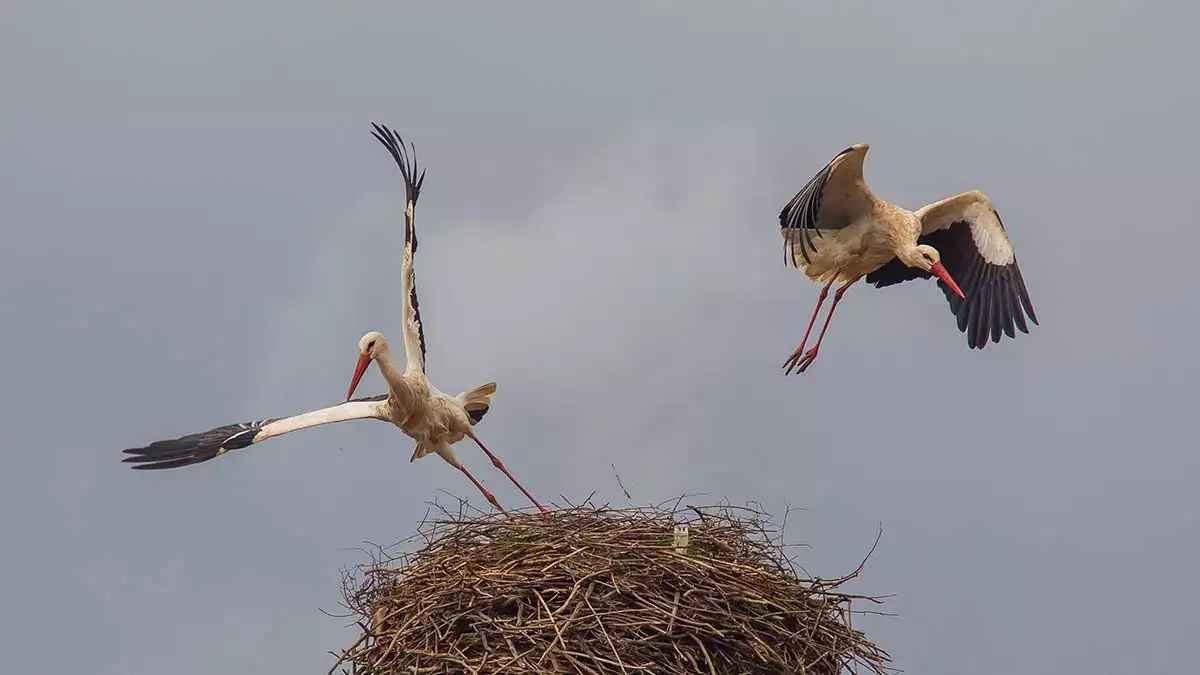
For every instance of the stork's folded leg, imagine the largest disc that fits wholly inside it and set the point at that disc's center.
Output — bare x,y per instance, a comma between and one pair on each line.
816,310
490,497
802,362
500,465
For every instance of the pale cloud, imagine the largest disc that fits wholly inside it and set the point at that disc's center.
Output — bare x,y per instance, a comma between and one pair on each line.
314,331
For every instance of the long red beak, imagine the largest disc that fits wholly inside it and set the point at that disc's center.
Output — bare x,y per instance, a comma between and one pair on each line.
945,277
359,369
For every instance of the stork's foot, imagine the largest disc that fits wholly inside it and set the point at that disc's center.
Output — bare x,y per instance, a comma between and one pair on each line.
800,361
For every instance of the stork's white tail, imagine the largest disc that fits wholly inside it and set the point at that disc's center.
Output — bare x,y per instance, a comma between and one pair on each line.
478,401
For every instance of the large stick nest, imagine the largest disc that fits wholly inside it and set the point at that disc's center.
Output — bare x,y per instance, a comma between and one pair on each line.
600,590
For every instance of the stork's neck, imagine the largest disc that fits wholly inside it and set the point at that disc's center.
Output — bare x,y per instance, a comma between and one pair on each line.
905,237
391,373
908,254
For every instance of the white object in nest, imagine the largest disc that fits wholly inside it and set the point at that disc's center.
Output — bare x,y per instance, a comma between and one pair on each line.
681,538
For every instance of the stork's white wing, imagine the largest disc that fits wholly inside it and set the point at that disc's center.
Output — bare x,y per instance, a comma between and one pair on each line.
976,251
414,331
830,200
201,447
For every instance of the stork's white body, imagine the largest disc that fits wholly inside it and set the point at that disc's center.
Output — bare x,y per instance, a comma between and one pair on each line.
862,247
432,418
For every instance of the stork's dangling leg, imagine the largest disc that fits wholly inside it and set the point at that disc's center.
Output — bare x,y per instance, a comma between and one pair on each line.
801,362
816,310
490,497
500,465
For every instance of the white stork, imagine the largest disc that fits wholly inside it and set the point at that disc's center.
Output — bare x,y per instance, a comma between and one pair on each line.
862,235
435,420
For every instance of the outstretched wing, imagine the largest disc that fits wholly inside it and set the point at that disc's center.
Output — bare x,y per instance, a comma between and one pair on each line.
201,447
830,200
414,332
975,249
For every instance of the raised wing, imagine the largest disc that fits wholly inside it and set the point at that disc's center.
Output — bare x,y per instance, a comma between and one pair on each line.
830,200
975,249
201,447
414,331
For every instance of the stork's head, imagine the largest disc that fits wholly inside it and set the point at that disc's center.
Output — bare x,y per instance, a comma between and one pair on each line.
372,344
369,348
927,258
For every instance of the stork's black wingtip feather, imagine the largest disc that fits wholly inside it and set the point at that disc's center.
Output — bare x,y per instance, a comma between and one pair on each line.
405,158
194,448
170,464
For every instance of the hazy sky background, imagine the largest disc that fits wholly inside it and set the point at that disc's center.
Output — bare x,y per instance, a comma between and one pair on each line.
198,227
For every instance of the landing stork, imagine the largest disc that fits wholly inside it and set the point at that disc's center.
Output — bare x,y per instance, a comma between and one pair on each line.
862,235
436,421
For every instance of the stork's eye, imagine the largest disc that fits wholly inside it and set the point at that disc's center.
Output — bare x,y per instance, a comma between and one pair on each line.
371,345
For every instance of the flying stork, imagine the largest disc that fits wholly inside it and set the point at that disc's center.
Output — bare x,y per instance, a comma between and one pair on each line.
960,237
435,420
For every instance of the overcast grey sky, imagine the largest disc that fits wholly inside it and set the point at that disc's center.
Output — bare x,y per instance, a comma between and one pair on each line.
198,227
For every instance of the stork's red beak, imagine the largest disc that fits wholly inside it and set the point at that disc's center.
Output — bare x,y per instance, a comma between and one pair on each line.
945,277
359,369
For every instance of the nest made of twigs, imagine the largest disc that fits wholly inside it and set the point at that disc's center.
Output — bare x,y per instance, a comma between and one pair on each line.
600,590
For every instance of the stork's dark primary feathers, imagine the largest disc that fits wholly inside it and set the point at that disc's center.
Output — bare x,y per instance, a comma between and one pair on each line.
406,160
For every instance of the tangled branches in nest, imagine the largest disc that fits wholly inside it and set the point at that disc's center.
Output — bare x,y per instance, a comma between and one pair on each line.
599,590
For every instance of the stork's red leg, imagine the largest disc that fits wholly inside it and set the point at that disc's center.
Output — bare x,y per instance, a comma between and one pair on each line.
500,465
801,363
490,497
816,310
